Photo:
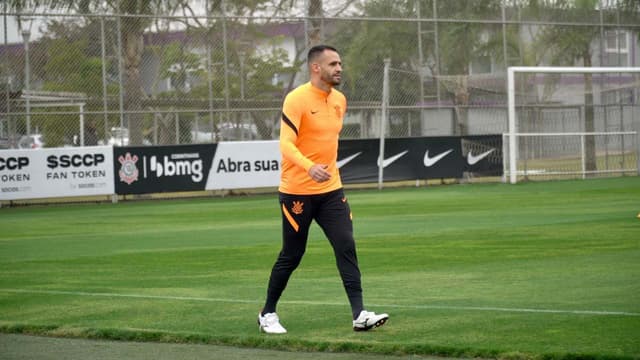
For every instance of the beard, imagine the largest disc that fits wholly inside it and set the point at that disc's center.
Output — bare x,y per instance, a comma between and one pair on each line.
330,79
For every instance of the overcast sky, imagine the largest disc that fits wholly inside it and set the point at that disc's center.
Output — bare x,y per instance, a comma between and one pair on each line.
12,31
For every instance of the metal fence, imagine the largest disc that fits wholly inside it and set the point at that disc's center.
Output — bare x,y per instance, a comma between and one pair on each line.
191,73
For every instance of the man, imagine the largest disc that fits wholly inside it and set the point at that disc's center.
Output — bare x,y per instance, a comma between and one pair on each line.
311,189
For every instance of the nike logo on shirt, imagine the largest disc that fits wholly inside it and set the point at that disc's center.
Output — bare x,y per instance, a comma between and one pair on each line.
473,159
430,161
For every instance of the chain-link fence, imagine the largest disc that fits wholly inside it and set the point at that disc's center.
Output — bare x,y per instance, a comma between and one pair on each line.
190,72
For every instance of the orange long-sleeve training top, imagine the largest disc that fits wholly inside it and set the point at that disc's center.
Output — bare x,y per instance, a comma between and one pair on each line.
309,131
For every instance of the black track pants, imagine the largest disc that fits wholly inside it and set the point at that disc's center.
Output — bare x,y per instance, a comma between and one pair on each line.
331,211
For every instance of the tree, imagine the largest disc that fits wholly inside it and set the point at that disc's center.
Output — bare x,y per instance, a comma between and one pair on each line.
62,62
630,13
315,18
135,17
460,43
69,69
571,45
252,72
132,29
176,63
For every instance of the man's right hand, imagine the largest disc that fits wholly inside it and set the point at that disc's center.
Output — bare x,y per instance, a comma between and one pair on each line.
319,173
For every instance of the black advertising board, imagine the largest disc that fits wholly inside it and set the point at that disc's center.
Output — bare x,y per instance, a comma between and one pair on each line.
142,170
420,158
399,161
233,165
483,155
439,157
146,169
357,160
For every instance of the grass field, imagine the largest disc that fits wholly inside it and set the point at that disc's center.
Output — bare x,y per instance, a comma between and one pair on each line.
534,270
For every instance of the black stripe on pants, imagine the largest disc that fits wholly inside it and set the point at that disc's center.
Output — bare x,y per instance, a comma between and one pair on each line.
331,211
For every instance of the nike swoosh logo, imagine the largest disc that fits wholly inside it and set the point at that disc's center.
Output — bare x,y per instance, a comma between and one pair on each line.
430,161
388,161
314,112
344,161
473,159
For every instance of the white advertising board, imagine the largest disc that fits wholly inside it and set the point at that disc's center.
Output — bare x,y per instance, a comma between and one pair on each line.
250,164
56,172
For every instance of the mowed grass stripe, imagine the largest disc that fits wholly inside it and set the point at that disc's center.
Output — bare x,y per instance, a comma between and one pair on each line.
432,257
319,303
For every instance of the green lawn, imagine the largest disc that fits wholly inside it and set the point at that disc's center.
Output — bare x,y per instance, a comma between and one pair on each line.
534,270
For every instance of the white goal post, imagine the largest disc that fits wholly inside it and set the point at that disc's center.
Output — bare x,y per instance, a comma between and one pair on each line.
513,133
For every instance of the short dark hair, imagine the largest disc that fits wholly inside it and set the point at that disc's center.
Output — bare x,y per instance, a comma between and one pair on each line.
315,51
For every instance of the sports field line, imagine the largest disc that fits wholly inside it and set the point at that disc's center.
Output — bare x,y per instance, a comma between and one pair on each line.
321,303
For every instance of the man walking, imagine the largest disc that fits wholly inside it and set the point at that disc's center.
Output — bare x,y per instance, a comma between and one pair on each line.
311,188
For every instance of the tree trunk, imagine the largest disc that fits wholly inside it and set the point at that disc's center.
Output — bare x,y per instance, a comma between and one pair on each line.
132,41
589,121
315,32
461,103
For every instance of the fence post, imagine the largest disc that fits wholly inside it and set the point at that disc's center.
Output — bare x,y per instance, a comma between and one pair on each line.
177,117
383,120
513,143
26,33
225,51
103,58
637,147
120,67
637,134
82,124
582,156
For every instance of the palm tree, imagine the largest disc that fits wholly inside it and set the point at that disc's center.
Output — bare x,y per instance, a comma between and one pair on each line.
571,45
464,42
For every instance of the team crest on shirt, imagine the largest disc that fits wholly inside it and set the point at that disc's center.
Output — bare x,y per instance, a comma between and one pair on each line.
297,207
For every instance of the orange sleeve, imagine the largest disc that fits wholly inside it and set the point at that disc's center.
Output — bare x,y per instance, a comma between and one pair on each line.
290,123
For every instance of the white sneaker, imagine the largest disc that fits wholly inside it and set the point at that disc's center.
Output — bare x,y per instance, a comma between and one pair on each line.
270,324
368,320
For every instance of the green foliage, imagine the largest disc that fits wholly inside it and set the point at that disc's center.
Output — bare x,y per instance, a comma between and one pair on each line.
461,43
564,45
69,69
260,70
176,63
365,45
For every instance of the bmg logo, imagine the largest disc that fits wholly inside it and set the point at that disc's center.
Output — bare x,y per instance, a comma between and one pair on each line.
174,167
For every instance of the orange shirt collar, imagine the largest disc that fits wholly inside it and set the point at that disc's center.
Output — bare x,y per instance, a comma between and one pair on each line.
318,91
